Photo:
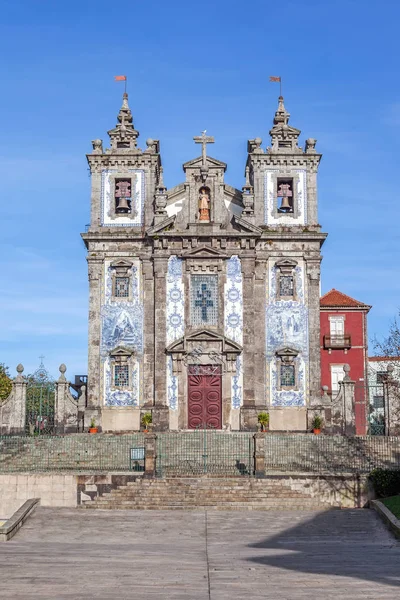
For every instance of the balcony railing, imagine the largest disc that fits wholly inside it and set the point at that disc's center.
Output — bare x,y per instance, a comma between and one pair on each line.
337,341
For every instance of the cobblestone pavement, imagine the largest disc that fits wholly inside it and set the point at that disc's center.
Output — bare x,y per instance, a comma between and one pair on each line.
152,555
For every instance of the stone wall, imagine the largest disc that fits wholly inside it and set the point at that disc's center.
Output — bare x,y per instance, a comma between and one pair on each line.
52,489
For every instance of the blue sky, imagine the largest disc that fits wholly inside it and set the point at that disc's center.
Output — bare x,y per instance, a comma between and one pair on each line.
190,66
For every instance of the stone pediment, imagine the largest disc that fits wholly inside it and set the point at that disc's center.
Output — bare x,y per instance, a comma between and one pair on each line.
286,130
286,264
211,162
124,264
161,226
206,338
204,252
287,352
246,225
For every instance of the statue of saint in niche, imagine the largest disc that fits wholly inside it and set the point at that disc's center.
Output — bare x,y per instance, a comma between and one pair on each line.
204,204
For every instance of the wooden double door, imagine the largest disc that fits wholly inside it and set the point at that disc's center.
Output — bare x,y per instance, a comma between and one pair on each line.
204,396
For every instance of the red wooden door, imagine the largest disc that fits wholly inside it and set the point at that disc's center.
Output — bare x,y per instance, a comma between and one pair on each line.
204,396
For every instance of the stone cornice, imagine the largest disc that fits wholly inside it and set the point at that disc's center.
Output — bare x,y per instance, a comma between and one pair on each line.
284,160
98,162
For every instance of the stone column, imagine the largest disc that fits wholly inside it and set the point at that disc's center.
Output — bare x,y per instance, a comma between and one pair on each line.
161,410
66,409
148,334
248,412
313,272
17,410
94,375
392,403
259,455
349,419
150,454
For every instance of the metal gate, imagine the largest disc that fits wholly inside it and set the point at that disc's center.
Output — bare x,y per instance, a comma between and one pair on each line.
378,397
205,452
40,402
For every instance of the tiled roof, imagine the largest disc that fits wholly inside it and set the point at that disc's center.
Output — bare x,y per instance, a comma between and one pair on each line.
383,358
336,298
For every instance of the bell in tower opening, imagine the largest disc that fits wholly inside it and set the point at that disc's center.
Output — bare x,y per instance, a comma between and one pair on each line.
204,204
123,196
285,196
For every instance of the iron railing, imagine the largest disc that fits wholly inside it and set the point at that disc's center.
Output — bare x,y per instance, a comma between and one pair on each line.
205,452
337,341
196,453
82,452
330,454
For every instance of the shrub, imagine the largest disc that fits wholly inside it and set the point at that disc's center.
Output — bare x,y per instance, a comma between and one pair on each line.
263,418
317,422
146,419
386,482
5,383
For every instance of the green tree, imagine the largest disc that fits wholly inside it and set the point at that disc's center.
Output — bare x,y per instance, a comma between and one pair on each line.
5,382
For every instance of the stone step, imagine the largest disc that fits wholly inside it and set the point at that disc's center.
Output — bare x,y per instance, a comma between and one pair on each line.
223,506
209,493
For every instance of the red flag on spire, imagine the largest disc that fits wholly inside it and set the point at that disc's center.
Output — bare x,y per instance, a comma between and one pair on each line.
272,78
119,77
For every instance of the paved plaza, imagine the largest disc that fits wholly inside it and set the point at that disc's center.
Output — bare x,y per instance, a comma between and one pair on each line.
193,555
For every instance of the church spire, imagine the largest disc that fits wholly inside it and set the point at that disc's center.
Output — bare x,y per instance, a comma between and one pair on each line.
284,137
124,135
281,116
125,114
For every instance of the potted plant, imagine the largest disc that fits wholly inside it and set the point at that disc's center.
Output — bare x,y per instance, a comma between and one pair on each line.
316,424
92,427
147,420
263,419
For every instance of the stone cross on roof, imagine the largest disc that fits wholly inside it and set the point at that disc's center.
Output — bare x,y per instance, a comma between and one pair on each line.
204,140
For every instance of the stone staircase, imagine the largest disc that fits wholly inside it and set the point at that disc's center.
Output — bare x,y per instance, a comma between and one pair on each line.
208,493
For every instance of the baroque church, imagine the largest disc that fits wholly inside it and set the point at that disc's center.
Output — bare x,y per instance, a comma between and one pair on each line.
203,298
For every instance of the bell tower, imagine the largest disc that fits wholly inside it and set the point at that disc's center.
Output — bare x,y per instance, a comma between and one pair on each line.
125,182
281,191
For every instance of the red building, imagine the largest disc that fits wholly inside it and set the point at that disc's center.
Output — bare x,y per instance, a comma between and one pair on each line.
344,340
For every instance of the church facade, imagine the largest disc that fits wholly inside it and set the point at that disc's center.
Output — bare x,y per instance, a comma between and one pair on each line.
203,298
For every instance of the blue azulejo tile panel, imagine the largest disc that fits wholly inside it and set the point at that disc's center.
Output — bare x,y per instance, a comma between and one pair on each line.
233,299
175,313
135,217
121,397
288,397
237,385
300,198
233,321
286,323
172,386
273,284
122,327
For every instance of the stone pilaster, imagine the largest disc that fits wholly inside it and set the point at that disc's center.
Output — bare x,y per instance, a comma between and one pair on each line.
259,301
148,333
313,272
248,410
160,411
95,277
